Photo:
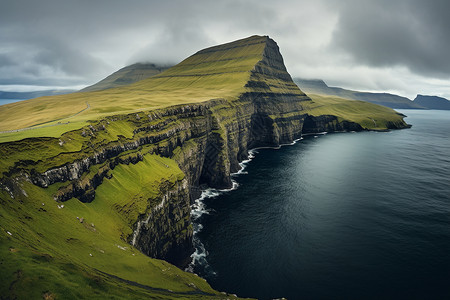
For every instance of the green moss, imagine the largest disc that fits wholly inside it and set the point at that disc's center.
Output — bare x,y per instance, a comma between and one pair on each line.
49,249
221,73
369,116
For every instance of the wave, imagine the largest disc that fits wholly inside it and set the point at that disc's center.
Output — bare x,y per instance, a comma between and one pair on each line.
243,165
199,208
281,145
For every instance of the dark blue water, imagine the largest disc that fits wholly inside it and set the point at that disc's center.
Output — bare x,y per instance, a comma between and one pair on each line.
340,216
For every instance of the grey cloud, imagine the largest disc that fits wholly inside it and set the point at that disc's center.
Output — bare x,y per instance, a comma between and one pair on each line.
66,59
191,26
5,60
64,42
174,43
43,60
408,33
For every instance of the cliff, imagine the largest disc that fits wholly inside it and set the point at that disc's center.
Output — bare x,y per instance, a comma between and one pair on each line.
91,197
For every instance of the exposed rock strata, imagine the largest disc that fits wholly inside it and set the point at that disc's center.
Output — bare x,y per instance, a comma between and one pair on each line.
166,231
207,140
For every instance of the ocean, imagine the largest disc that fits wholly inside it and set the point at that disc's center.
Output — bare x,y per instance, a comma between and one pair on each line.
335,216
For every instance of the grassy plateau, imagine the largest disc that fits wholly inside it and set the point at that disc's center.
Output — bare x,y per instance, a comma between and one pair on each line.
74,250
370,116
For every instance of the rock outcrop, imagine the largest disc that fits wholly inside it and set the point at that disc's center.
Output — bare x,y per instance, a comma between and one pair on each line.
207,140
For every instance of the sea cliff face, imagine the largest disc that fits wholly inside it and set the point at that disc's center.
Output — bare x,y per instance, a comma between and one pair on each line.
207,141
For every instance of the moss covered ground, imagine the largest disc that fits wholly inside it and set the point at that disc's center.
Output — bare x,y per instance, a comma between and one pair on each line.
45,250
369,116
206,75
80,251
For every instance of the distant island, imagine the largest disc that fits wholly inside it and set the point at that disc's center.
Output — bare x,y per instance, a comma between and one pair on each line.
318,86
432,102
33,94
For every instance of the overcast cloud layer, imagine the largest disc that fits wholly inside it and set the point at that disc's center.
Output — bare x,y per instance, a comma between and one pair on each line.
399,46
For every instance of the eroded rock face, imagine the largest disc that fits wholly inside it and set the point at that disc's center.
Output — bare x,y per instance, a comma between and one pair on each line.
328,123
207,140
166,230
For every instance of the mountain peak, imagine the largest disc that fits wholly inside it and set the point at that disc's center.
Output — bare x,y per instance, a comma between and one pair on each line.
311,83
248,41
227,71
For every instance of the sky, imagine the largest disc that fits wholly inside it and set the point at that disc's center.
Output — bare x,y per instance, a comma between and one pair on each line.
398,46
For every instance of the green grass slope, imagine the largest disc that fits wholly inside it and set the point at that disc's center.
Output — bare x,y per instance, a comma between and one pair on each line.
221,73
206,75
370,116
45,250
82,250
78,251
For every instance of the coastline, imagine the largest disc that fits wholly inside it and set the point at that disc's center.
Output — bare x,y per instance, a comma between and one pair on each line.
199,208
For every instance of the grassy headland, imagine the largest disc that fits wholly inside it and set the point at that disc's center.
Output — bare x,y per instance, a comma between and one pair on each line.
370,116
201,77
132,149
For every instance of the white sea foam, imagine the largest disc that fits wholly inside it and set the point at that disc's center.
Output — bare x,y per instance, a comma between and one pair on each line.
243,164
199,258
281,145
198,209
290,144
